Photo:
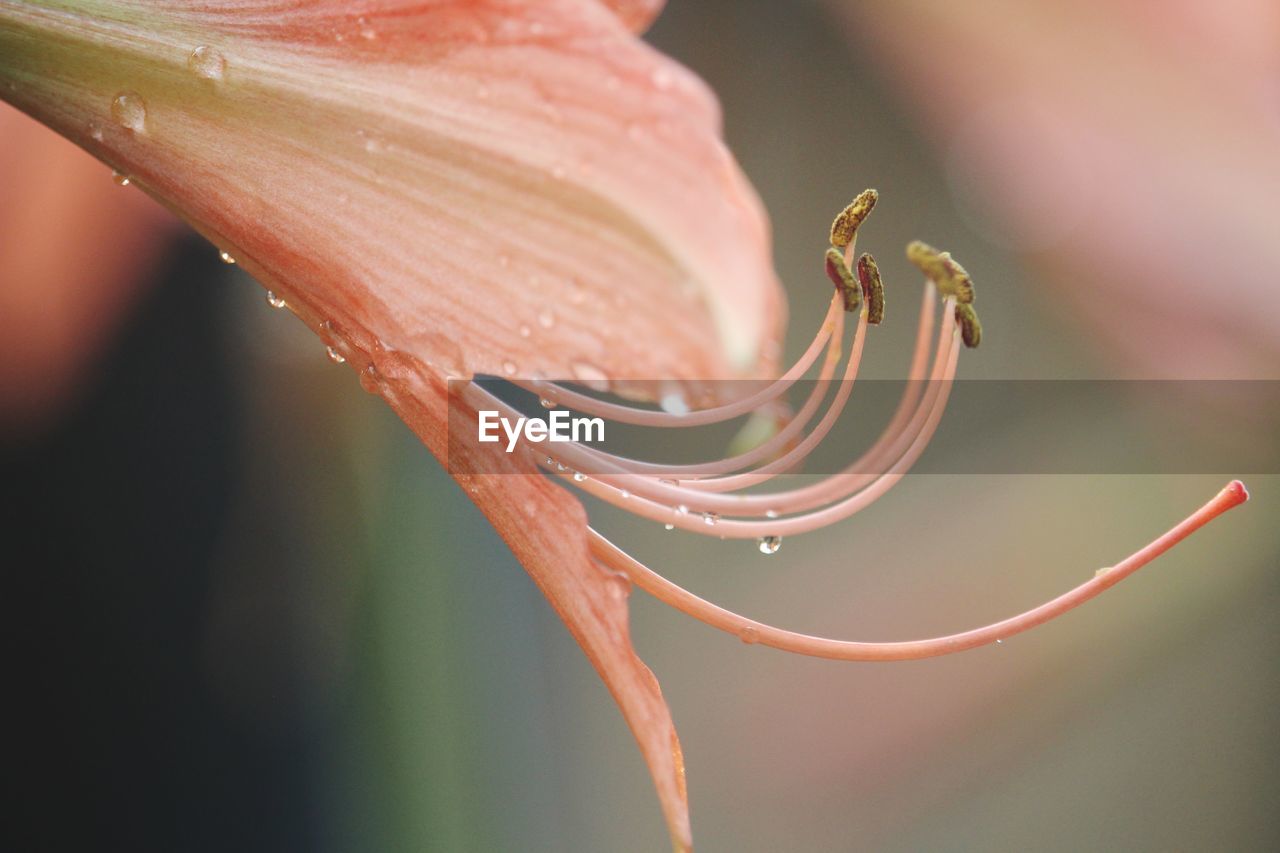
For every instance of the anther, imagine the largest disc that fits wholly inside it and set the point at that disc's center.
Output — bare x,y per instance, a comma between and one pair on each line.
846,224
949,277
970,328
842,278
872,288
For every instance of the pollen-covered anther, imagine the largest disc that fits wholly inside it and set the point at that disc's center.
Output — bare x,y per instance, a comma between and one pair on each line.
845,226
970,327
948,276
872,288
842,277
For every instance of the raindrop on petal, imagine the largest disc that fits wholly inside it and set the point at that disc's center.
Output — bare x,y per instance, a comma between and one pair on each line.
275,301
130,111
590,375
207,62
334,356
120,178
226,257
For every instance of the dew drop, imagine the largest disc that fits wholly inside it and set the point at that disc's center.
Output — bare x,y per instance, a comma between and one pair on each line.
546,318
120,178
579,477
275,301
207,62
590,375
130,111
334,356
749,635
770,513
682,510
226,257
710,519
625,494
371,379
668,526
95,131
550,461
509,368
547,404
674,403
999,642
769,544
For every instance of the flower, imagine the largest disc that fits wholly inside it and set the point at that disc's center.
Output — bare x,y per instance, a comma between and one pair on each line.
449,189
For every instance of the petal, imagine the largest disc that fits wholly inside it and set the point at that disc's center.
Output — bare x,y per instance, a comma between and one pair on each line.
525,191
546,528
636,14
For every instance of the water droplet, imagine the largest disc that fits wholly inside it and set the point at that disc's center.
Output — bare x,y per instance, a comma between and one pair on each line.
749,635
120,178
546,318
579,477
547,404
682,510
769,544
334,356
668,526
674,403
625,494
1102,571
371,379
710,519
999,642
275,301
509,368
226,257
207,62
770,513
95,131
130,111
590,375
550,461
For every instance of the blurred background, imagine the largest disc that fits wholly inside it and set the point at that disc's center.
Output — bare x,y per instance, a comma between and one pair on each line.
251,612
